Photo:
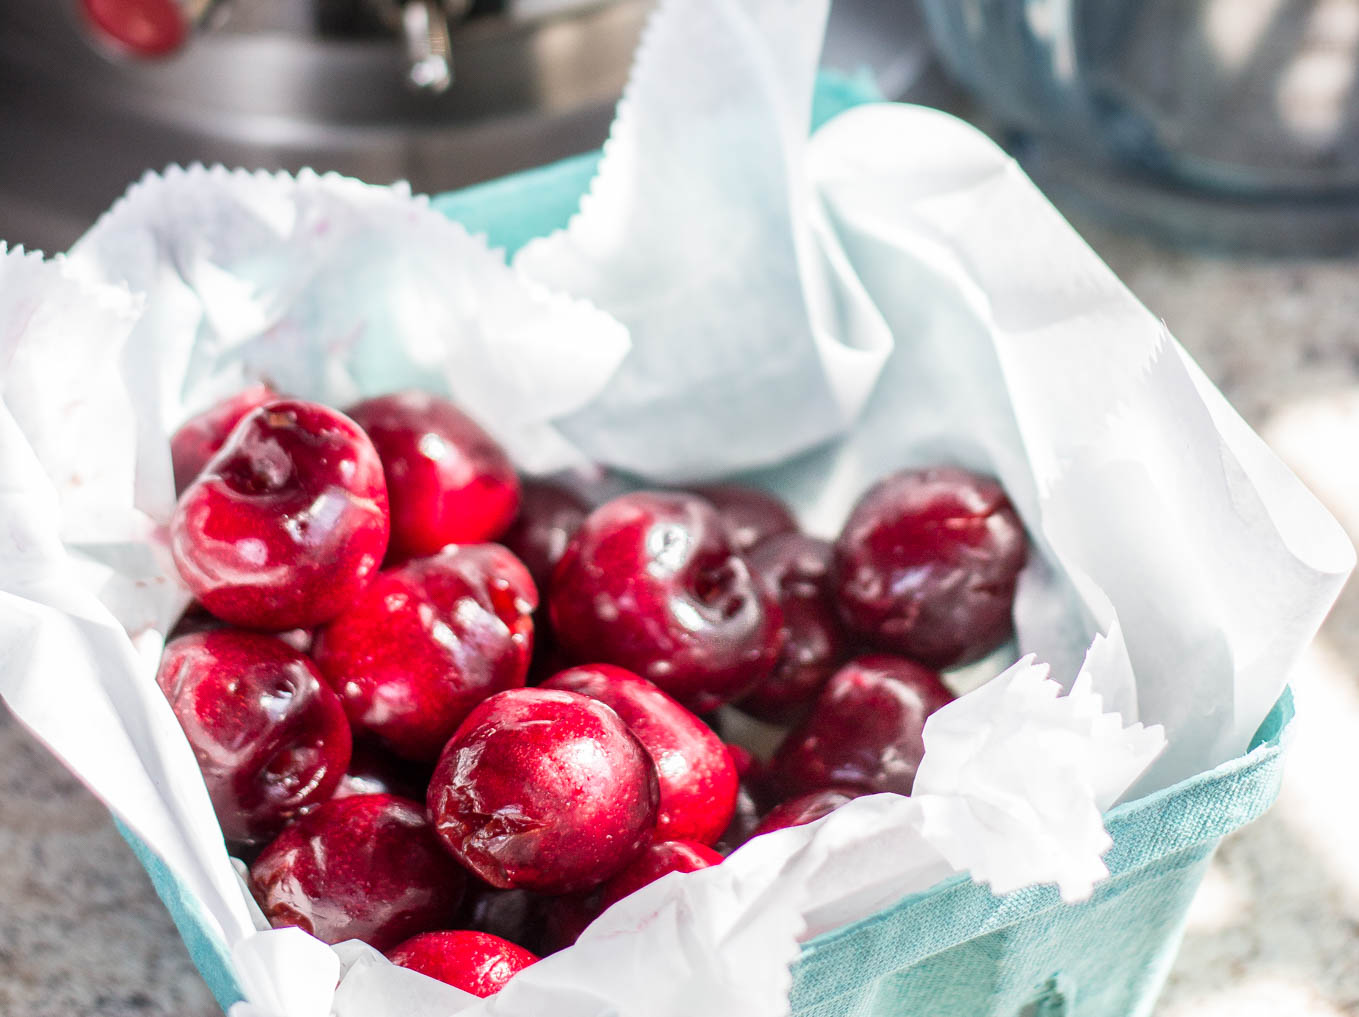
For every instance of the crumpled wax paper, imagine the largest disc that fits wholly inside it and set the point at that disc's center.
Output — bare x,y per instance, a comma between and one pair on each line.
731,297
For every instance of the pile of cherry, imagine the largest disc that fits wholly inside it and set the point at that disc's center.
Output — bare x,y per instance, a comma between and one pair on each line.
379,733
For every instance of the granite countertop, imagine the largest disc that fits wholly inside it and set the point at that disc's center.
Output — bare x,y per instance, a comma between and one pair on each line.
1274,929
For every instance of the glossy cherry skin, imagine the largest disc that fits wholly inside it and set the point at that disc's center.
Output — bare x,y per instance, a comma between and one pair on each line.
805,809
475,962
367,867
202,437
544,790
927,564
652,582
448,480
795,570
864,731
270,737
696,773
549,516
287,524
750,515
657,860
429,640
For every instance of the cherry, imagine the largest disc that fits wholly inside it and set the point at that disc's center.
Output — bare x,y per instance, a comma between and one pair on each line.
750,515
652,582
565,917
927,564
142,28
549,516
299,639
805,809
367,867
695,771
655,861
543,790
795,570
270,737
448,480
475,962
865,729
373,771
516,915
743,822
429,640
200,438
287,524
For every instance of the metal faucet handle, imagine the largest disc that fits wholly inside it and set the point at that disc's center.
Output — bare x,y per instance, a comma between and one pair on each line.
429,46
425,27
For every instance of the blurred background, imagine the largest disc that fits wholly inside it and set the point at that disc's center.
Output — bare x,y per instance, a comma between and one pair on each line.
1207,149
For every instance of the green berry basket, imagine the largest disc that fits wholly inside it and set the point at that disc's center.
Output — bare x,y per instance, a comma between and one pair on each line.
957,950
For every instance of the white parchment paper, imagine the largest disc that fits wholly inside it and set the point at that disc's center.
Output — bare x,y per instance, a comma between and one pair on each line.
731,297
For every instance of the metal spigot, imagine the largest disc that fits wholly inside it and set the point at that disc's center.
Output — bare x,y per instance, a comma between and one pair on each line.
425,27
429,48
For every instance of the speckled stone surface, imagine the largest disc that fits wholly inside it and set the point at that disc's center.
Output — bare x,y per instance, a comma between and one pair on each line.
1275,929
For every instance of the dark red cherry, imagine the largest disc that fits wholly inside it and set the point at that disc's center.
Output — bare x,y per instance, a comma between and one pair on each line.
544,790
475,962
270,737
807,808
549,516
565,917
367,867
795,569
287,524
743,822
750,515
448,480
373,771
146,29
927,564
429,640
696,774
659,859
516,915
548,656
200,438
652,582
864,731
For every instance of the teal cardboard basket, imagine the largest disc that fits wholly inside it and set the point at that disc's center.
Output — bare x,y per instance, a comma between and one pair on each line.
958,950
955,950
